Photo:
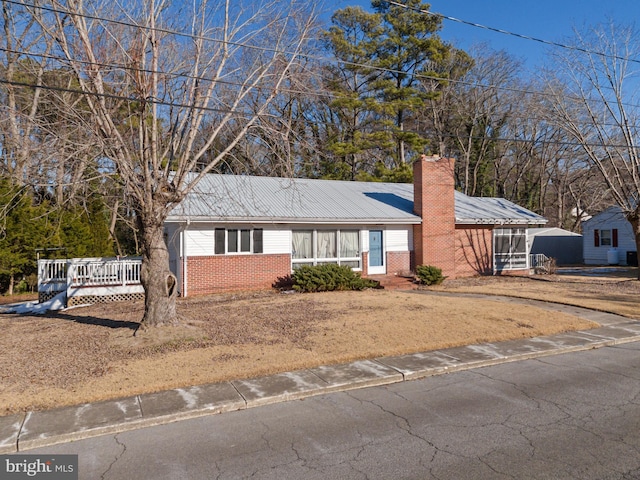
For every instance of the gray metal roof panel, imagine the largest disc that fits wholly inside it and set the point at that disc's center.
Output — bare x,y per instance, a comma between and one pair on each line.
487,210
236,198
552,232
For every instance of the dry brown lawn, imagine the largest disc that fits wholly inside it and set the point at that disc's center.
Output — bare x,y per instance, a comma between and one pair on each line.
90,353
617,291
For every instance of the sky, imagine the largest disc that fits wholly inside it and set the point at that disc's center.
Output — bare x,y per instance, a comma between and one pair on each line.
551,20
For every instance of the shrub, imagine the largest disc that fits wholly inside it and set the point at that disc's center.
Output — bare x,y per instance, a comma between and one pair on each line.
326,278
548,267
283,283
429,275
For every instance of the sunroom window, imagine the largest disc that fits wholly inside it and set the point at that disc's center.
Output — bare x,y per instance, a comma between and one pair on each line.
510,249
350,248
318,247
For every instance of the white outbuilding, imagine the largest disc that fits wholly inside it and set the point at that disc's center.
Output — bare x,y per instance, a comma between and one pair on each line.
608,239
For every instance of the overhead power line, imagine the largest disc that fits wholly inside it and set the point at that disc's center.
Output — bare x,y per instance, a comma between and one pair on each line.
116,66
217,110
513,34
301,55
120,97
125,98
323,58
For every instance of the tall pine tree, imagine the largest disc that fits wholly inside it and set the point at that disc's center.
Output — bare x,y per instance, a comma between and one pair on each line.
376,87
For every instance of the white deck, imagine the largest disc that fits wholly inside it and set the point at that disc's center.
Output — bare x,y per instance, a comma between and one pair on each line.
100,278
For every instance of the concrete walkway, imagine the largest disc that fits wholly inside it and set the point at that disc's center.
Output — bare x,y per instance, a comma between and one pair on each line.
39,429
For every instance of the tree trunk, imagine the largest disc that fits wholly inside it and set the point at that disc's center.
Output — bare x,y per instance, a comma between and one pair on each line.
635,226
160,284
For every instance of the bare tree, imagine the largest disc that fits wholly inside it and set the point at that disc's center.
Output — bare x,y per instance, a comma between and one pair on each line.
469,116
22,76
597,104
164,82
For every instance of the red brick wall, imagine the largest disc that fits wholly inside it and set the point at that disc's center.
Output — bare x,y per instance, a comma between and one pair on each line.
434,239
474,250
235,272
365,264
398,262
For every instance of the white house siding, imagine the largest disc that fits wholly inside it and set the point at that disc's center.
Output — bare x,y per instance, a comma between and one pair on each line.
200,241
399,239
610,219
276,241
395,238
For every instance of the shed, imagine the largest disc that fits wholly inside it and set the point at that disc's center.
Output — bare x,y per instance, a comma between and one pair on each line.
562,245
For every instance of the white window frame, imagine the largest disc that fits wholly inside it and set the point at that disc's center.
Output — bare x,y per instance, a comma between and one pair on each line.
238,243
239,230
338,259
606,240
511,260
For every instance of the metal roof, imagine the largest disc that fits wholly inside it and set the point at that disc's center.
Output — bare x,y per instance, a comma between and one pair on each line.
240,198
551,232
494,211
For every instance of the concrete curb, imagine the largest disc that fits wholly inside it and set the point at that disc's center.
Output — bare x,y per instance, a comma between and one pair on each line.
46,428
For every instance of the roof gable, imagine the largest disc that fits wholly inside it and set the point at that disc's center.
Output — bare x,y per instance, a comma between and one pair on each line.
611,214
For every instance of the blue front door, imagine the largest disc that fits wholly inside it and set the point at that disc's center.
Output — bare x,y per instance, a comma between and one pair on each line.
376,252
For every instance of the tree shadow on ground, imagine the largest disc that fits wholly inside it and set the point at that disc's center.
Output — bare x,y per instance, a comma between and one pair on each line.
101,322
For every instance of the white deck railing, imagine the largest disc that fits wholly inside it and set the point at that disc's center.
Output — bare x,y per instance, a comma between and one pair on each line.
90,272
99,273
538,260
52,271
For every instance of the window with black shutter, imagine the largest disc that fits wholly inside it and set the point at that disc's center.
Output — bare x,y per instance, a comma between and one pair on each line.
257,240
238,241
220,235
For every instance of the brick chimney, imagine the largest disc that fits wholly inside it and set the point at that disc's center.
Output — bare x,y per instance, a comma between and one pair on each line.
433,201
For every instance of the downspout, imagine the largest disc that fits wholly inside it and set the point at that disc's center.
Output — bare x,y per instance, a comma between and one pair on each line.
184,257
496,224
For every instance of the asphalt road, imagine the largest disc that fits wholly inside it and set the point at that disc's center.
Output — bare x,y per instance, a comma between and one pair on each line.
560,417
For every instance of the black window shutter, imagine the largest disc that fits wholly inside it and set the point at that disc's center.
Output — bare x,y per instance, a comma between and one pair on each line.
219,247
257,240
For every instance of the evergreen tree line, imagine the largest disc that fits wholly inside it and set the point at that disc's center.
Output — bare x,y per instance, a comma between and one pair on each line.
380,88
